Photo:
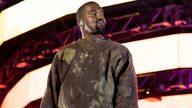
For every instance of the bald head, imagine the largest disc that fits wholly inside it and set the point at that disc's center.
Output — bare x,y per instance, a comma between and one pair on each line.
90,19
80,11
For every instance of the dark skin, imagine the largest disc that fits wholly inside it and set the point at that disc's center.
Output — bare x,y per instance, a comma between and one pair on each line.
92,19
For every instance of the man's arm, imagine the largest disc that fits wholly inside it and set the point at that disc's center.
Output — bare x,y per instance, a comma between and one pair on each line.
50,98
126,82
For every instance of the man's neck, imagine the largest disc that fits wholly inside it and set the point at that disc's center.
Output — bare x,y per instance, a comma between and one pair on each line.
90,37
87,36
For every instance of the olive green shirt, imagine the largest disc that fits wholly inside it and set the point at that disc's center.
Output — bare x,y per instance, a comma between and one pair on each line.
102,78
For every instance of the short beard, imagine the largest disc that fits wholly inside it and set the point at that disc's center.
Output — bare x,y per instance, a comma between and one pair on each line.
99,30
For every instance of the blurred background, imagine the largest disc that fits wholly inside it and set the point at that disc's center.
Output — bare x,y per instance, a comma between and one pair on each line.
158,33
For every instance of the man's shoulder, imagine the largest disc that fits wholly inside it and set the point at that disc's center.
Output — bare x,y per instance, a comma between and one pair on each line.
68,46
117,47
115,44
63,49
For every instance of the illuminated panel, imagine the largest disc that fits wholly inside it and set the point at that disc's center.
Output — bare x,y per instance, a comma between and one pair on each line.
154,54
144,103
31,87
185,50
14,96
30,14
38,82
176,101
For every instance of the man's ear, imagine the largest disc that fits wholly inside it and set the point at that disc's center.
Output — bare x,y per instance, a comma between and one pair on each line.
81,23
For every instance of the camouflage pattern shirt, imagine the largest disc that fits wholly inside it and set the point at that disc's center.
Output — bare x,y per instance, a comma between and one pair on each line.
102,78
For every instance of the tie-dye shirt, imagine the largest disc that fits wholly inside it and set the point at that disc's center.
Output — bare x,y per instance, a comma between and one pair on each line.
105,78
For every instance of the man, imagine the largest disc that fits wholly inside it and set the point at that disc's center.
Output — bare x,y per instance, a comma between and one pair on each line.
93,72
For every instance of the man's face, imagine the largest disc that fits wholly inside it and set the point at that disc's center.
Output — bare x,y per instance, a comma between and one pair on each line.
93,19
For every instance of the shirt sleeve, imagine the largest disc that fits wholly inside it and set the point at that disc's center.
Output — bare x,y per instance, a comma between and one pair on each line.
125,80
50,97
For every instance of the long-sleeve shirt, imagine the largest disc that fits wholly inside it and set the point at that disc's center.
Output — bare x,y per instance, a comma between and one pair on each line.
102,78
